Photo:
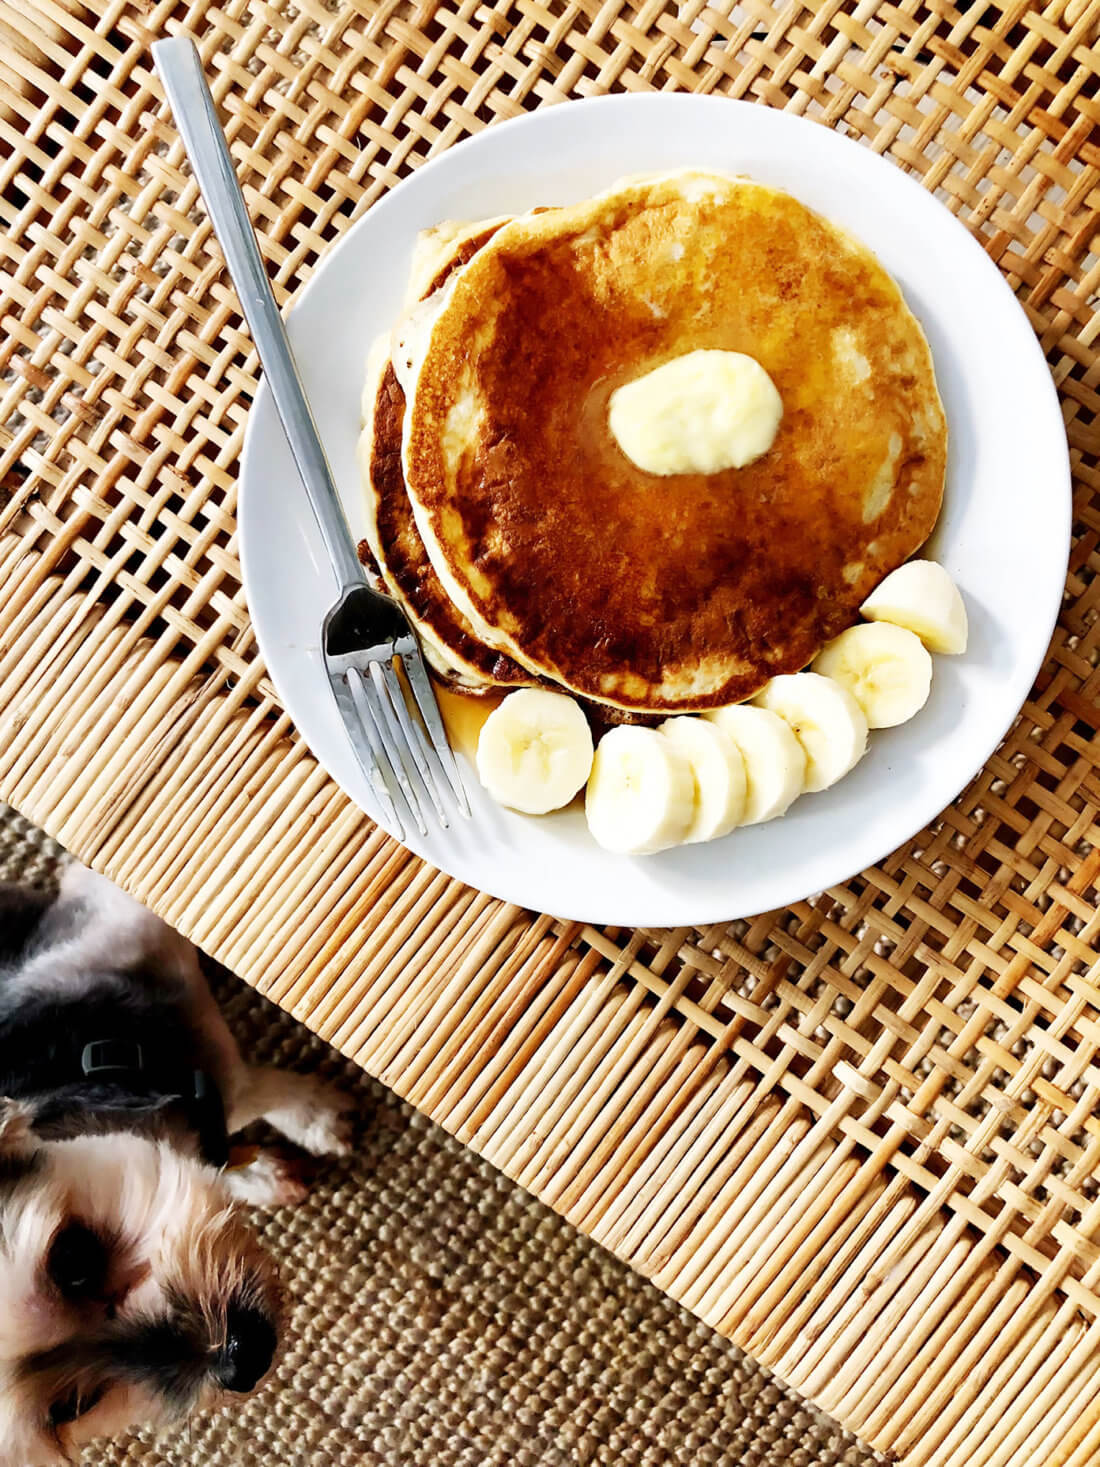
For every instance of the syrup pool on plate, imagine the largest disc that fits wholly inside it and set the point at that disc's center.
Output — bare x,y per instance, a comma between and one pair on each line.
464,717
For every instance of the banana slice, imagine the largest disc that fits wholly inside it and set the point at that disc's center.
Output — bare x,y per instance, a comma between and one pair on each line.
534,751
775,766
825,719
641,792
718,771
921,597
884,667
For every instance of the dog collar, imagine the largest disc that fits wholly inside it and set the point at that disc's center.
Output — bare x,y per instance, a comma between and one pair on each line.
124,1062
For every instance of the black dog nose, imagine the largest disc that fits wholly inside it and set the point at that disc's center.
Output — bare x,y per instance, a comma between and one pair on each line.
248,1351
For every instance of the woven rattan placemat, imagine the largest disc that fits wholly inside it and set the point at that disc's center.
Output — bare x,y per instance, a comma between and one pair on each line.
441,1317
858,1137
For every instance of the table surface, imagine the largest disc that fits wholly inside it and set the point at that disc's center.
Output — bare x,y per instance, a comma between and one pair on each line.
857,1136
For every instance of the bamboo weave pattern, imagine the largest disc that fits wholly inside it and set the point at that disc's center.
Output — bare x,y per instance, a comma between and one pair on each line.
859,1136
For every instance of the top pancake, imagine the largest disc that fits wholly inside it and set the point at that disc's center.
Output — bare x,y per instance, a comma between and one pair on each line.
688,591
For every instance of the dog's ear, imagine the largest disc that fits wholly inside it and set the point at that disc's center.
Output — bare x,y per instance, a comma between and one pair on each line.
17,1136
21,910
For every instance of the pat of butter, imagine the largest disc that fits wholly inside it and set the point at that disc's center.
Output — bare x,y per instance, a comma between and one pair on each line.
697,414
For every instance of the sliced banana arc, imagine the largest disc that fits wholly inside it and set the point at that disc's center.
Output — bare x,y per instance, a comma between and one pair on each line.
775,765
718,773
641,792
921,597
885,667
696,779
824,718
534,752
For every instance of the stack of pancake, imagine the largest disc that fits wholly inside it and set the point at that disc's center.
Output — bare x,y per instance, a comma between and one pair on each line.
529,549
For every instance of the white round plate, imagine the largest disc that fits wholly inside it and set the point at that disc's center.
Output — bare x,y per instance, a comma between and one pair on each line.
1003,534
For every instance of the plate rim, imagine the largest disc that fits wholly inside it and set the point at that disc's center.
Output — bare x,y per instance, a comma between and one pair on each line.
961,238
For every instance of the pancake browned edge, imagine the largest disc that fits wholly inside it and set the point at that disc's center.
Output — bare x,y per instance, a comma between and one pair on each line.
690,591
395,556
393,550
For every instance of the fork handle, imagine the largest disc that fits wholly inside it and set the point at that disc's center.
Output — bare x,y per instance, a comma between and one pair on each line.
185,86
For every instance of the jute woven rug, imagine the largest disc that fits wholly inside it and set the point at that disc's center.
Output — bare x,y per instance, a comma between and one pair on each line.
441,1317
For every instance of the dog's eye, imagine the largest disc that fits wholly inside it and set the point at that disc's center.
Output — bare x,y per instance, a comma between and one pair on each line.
75,1405
77,1262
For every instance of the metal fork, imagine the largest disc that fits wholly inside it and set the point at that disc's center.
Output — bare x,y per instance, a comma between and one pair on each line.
367,641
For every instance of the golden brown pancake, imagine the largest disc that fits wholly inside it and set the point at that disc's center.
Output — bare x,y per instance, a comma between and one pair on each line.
688,591
393,548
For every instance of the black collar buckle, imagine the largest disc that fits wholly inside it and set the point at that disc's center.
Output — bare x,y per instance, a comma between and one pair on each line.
112,1056
123,1062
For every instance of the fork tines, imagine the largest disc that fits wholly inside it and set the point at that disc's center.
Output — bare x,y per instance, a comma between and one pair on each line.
393,746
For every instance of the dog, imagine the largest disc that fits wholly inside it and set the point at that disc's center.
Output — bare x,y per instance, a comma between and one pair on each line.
132,1291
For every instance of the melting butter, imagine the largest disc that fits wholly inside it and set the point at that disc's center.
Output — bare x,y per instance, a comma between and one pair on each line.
697,414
